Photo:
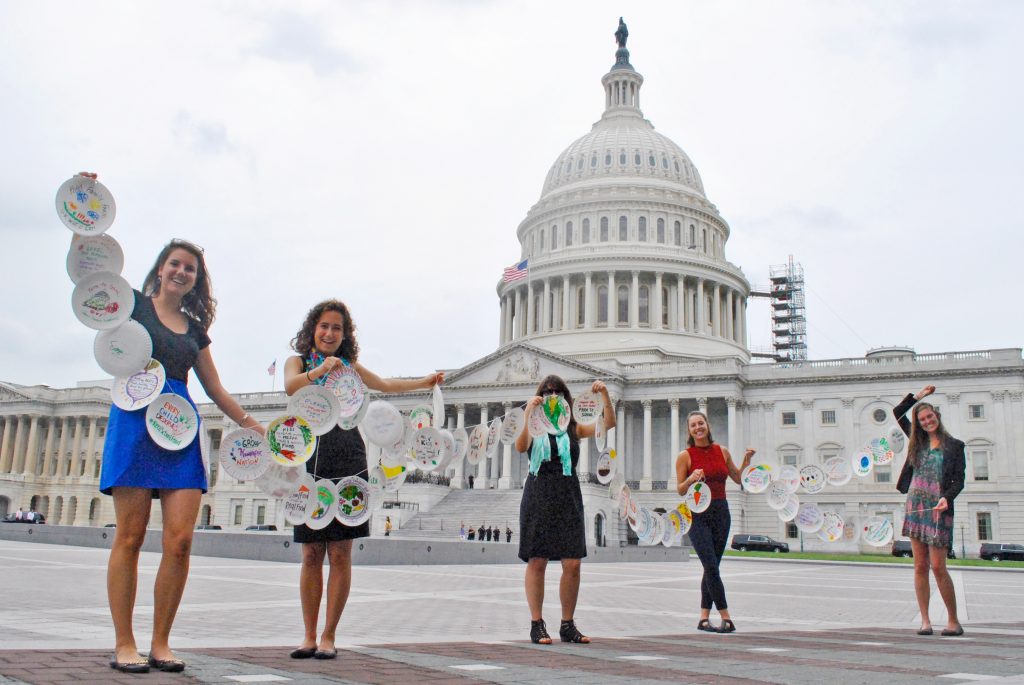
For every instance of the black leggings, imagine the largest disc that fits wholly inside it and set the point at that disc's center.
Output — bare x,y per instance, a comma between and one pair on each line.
708,535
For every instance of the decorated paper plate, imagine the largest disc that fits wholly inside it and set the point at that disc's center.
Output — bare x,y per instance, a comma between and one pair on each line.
789,510
616,484
877,531
789,477
103,300
345,383
625,501
809,518
421,416
643,524
477,445
124,350
687,517
291,440
383,423
831,527
586,407
171,422
398,453
657,532
394,476
851,529
461,444
299,504
427,447
674,518
605,468
812,479
493,437
438,407
325,505
318,406
600,436
837,471
351,422
353,500
882,454
698,497
537,424
448,448
756,478
85,205
512,426
279,481
777,495
245,454
897,440
862,462
139,389
557,412
668,528
91,254
376,479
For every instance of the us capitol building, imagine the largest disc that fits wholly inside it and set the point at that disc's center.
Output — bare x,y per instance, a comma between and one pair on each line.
627,282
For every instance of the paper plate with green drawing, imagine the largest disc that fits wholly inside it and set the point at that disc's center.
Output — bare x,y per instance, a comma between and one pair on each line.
291,440
325,505
299,504
698,497
171,422
427,448
877,531
90,254
85,205
353,500
421,416
394,476
103,300
124,350
557,412
756,478
882,453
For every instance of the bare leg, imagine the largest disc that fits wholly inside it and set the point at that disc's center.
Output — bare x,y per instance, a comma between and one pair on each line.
338,584
921,588
131,508
569,587
311,589
180,509
945,584
535,568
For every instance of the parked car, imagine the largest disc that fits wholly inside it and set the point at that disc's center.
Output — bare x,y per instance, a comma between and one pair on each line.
994,551
902,548
208,526
760,543
35,518
263,527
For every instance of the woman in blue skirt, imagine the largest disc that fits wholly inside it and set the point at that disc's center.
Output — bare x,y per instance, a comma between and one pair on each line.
176,306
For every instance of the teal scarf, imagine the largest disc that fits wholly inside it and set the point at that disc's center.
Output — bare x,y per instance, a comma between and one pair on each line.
541,452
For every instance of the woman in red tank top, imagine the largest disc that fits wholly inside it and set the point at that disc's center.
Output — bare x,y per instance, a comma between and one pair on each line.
702,458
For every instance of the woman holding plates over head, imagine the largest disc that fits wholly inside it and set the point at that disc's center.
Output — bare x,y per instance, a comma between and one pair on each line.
704,460
176,307
932,477
327,343
551,519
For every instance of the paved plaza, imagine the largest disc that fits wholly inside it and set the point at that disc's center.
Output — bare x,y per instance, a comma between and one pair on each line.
798,623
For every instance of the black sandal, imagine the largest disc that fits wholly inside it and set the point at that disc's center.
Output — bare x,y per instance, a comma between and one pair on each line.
570,633
539,633
727,626
706,626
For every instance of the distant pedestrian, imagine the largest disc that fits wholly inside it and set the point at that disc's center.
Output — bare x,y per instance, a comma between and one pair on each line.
471,535
508,535
471,481
497,534
462,530
387,527
480,532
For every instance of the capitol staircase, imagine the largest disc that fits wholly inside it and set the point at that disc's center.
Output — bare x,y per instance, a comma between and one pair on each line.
471,507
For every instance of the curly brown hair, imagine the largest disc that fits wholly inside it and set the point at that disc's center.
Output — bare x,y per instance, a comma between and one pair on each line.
303,340
199,303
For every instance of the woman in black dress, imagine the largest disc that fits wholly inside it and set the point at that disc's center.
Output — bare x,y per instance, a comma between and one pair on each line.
326,342
551,520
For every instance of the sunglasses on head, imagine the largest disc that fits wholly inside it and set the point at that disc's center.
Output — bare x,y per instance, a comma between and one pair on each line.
178,242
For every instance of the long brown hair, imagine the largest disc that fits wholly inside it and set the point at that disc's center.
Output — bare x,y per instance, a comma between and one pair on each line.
303,340
918,435
198,303
689,436
554,385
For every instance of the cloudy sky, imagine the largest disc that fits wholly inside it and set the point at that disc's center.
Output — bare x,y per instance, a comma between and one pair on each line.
384,153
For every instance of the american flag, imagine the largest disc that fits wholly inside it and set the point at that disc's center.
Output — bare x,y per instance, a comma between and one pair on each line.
516,272
272,369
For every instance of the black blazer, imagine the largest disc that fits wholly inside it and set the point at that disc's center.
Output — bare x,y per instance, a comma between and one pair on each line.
954,464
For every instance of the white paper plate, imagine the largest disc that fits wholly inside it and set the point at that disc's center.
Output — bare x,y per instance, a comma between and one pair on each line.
674,519
777,495
438,407
537,425
103,300
245,454
291,440
171,422
279,481
325,505
400,452
353,501
657,533
124,350
421,416
756,478
299,504
461,444
600,436
351,422
812,479
877,531
376,479
687,515
427,448
512,426
85,205
698,497
394,476
789,476
897,440
448,449
881,453
477,445
92,254
851,529
809,518
557,413
831,527
493,437
668,530
604,468
837,471
788,512
643,524
346,384
862,462
625,501
586,407
615,485
318,406
139,389
383,423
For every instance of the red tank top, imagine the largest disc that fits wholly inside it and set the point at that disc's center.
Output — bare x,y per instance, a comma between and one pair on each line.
712,460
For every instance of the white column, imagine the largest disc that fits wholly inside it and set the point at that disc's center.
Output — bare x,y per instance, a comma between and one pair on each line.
90,452
683,305
505,479
743,322
735,440
808,419
730,317
613,301
634,301
700,317
480,483
18,456
656,300
32,447
518,316
848,427
673,307
501,325
702,406
588,301
566,293
51,430
457,481
545,308
645,484
1016,422
529,309
769,427
716,311
673,405
6,449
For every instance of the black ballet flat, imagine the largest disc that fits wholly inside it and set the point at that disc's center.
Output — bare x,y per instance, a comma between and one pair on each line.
925,631
957,632
129,666
167,665
303,653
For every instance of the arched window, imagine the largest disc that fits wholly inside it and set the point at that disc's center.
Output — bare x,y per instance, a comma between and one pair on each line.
622,157
664,307
623,229
678,234
661,231
579,163
568,234
540,248
602,305
692,242
642,229
581,306
604,229
704,241
586,231
623,305
608,158
650,160
554,237
645,305
636,158
593,160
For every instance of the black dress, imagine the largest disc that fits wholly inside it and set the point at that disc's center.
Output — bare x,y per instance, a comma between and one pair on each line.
551,519
339,453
